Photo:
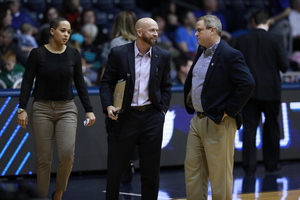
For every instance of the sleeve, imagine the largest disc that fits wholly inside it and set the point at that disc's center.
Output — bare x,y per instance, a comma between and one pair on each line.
80,84
108,81
166,85
242,81
28,78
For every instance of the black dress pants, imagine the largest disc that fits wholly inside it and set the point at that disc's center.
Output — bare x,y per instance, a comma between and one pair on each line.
135,128
270,134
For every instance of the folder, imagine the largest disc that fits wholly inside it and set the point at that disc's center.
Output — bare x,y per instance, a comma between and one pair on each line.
119,95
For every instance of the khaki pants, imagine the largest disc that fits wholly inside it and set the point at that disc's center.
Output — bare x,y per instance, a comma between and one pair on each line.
51,119
209,157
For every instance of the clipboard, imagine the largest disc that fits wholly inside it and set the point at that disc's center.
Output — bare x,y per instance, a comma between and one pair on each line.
119,95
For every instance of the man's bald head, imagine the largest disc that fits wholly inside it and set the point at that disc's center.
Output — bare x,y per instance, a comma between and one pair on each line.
143,22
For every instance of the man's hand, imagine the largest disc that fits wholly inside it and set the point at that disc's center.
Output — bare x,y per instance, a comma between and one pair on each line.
224,116
112,113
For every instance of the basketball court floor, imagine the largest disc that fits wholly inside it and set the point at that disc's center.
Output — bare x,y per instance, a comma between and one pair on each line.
282,185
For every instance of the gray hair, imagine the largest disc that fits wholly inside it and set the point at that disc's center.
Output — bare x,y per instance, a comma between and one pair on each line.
92,28
212,21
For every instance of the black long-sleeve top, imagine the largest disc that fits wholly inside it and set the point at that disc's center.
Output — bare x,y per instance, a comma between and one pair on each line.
53,74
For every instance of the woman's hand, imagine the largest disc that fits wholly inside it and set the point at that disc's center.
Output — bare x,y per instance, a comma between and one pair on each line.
91,117
23,119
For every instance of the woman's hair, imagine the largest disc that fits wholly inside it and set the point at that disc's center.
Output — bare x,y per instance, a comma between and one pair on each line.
124,25
3,13
45,14
56,21
211,21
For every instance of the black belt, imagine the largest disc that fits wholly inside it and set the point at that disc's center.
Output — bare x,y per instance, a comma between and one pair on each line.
201,114
141,108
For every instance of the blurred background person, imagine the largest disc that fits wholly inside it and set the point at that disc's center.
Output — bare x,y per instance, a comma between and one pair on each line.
26,40
88,16
123,30
183,65
49,14
7,43
279,22
71,10
10,71
184,35
89,51
5,16
19,16
294,18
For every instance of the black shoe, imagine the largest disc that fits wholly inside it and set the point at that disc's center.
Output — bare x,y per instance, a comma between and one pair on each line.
278,167
127,177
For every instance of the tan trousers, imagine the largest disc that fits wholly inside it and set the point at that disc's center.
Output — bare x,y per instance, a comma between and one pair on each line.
209,157
51,119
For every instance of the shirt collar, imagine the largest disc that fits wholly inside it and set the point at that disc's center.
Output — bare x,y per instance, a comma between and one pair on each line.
138,53
210,50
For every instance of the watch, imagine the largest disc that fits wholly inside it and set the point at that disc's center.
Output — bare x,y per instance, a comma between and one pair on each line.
20,110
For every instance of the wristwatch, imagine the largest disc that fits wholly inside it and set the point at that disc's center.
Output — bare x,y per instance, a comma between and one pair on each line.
20,110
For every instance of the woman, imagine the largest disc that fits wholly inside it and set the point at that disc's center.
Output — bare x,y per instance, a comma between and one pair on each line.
123,30
5,16
54,66
49,14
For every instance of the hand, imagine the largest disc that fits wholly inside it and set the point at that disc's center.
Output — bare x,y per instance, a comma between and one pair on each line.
23,119
91,117
224,116
111,113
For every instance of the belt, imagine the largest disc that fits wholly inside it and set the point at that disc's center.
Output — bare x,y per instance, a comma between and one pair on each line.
201,114
141,108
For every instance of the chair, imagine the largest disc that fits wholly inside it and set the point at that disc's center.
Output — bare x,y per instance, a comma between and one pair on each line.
2,84
17,84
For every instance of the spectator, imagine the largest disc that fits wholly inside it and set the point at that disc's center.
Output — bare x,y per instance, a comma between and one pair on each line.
7,44
183,65
184,36
89,51
123,31
50,13
88,16
71,10
164,39
210,7
19,16
26,41
294,18
5,16
10,71
280,10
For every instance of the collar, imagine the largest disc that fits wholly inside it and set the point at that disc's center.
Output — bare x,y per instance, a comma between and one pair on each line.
138,53
210,50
